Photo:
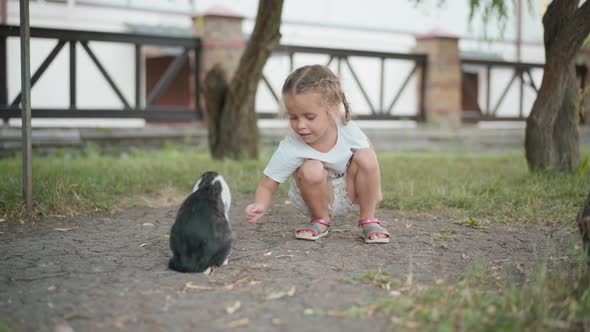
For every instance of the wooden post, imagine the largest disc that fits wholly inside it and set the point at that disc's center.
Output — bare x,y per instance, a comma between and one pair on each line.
25,56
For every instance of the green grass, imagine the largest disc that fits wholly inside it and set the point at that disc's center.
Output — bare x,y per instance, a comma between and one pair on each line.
478,187
90,182
4,327
470,188
546,300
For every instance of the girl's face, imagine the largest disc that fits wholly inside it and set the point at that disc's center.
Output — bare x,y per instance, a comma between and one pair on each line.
310,118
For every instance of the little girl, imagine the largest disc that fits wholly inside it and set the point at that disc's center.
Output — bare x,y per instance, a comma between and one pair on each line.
330,160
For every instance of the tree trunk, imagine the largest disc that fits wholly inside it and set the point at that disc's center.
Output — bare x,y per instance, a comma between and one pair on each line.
233,123
566,136
215,89
583,221
551,139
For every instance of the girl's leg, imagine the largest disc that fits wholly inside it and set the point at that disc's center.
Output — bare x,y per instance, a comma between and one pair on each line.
363,184
313,183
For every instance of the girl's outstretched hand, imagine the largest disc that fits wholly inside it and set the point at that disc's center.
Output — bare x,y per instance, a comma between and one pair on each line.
254,212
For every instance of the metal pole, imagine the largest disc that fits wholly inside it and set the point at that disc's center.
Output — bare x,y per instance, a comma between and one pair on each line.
3,67
3,73
423,77
25,56
197,77
521,93
382,90
488,89
138,77
518,30
73,75
3,10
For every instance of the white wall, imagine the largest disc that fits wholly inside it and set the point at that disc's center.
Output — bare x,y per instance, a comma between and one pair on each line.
93,91
327,23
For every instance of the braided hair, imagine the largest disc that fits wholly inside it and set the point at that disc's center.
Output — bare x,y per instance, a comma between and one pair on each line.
319,79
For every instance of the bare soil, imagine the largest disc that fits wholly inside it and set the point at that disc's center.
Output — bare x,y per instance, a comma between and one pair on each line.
109,272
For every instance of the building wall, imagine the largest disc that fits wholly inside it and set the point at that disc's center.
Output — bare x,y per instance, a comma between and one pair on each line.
52,89
325,26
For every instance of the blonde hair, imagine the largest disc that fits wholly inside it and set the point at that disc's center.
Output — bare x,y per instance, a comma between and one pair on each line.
319,79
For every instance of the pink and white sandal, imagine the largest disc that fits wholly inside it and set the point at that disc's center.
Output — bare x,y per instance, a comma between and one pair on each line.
374,230
313,228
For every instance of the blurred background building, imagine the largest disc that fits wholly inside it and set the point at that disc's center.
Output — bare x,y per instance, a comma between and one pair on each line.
369,25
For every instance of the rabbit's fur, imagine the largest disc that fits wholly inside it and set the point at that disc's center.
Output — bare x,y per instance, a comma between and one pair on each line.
201,235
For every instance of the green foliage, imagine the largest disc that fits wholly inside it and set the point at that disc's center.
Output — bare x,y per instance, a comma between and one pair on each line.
582,167
485,300
376,277
4,327
480,187
472,222
489,12
92,150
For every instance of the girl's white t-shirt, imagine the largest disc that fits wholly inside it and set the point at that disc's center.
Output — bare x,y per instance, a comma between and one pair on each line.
292,151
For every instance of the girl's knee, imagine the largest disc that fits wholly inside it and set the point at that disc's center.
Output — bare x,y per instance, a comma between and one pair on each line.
366,159
311,172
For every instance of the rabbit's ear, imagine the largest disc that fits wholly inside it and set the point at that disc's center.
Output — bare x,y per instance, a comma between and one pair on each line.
216,188
224,193
196,186
205,180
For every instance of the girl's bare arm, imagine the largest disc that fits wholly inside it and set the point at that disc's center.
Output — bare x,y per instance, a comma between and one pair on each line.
263,198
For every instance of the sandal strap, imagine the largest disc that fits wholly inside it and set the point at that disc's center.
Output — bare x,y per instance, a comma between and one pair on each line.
309,227
370,221
373,230
312,226
320,221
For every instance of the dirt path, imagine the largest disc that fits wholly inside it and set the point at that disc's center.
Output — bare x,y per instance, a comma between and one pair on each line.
109,272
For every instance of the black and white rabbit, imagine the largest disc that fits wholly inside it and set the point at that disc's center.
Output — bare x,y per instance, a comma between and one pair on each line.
201,236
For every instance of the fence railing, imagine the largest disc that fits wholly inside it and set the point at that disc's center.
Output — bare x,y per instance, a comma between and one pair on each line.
379,108
382,100
520,73
11,108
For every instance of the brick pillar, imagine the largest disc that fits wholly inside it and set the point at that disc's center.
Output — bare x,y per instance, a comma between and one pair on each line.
443,79
223,41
